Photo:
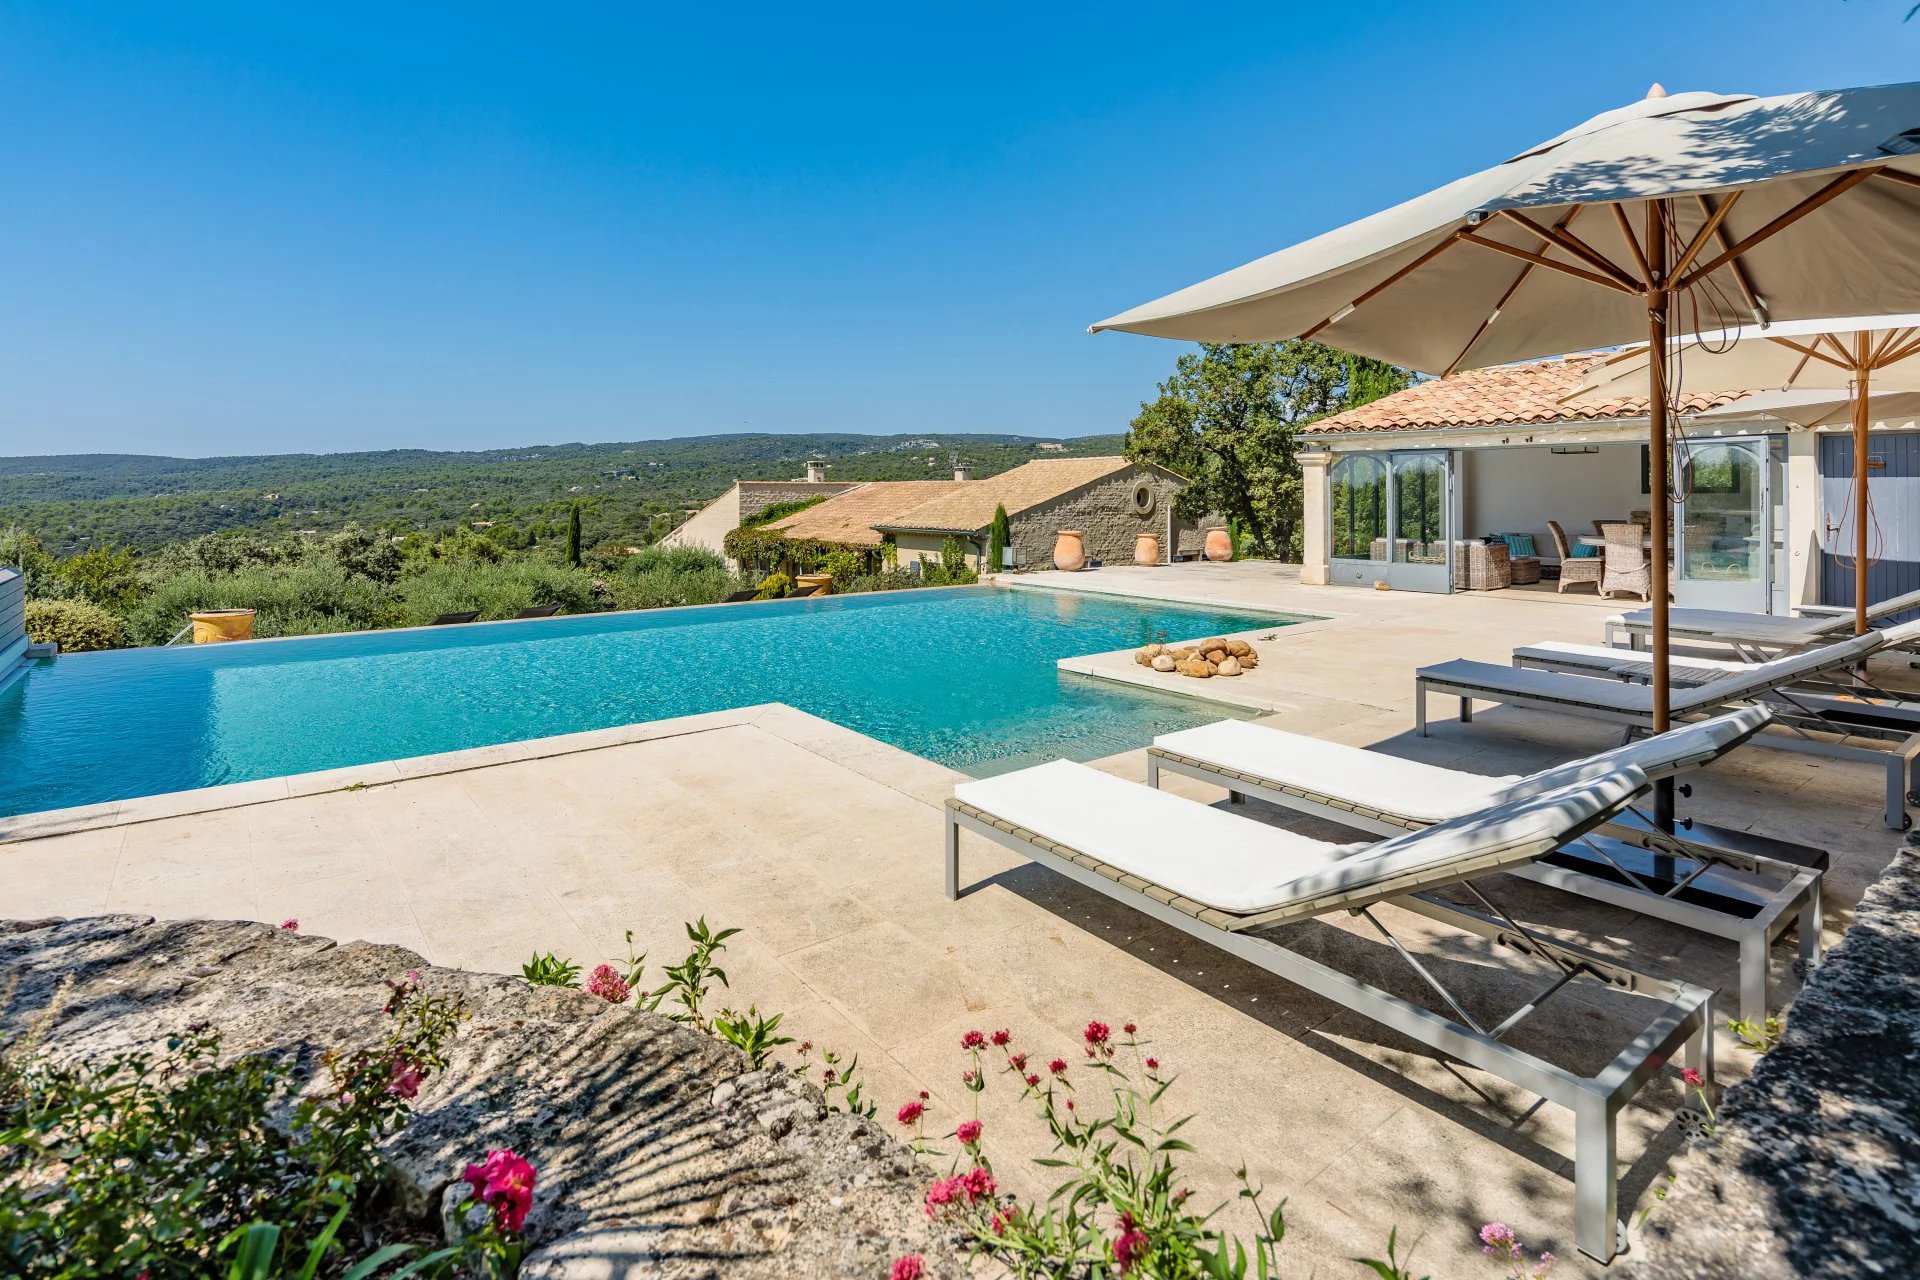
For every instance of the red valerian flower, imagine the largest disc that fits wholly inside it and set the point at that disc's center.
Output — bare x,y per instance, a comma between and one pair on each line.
1693,1078
968,1133
1097,1032
1058,1066
972,1040
925,1096
1018,1061
1153,1064
1129,1028
608,985
1002,1038
1131,1245
1033,1082
505,1182
910,1113
978,1184
290,924
909,1267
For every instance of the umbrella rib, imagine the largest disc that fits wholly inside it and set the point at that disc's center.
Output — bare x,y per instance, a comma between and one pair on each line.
1894,175
1839,186
1736,268
1391,280
1633,243
1526,270
1904,352
1814,352
1572,244
1514,251
1879,356
1705,232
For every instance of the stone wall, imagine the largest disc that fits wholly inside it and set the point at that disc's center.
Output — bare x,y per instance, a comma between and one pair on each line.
1105,513
757,495
657,1152
1814,1166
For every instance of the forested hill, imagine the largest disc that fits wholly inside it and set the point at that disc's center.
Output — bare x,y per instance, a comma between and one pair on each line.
75,501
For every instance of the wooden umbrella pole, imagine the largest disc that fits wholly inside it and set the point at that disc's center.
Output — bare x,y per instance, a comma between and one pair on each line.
1659,313
1862,415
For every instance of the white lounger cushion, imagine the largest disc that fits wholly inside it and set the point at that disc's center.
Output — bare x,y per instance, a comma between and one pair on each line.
1601,657
1425,793
1766,626
1609,694
1241,866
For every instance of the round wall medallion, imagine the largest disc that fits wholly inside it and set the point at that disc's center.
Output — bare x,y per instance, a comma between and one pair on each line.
1143,499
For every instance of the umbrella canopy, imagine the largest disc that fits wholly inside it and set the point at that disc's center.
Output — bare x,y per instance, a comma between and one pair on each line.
1859,356
1722,208
1449,280
1893,411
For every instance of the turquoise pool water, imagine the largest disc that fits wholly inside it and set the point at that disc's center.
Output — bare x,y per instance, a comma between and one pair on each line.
965,677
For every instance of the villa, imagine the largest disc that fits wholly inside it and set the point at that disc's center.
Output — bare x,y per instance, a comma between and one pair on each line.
1110,500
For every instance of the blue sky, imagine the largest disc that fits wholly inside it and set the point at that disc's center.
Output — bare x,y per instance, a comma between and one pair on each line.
229,229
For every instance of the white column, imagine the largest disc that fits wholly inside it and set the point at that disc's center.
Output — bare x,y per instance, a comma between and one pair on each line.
1316,505
1803,514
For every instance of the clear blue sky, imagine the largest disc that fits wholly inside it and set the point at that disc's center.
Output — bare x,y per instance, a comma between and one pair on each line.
346,227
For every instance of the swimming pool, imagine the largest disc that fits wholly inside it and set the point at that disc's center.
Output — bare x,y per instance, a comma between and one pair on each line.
964,676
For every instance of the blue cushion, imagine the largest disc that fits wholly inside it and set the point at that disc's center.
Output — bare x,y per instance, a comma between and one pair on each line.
1518,544
1581,551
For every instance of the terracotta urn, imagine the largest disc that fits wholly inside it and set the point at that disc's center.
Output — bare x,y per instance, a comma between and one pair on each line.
1146,549
1069,551
1219,544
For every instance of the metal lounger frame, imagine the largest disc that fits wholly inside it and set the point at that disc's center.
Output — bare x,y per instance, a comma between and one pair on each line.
1796,712
1795,899
1685,1024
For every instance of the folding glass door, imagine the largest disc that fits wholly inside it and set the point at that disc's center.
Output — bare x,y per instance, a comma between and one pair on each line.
1393,517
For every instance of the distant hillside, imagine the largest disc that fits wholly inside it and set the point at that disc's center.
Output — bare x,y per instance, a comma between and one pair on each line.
73,501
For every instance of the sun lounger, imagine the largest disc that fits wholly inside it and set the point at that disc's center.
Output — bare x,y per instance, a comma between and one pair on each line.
1781,684
455,619
1749,898
741,597
539,611
1606,660
1222,879
1756,632
801,593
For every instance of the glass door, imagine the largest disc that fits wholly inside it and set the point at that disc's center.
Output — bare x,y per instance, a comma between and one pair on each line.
1422,535
1724,552
1359,515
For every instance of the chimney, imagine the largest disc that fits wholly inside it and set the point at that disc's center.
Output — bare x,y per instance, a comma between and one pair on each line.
816,471
961,471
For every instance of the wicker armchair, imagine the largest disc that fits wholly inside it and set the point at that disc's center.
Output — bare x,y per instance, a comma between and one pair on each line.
1481,566
1624,564
1573,568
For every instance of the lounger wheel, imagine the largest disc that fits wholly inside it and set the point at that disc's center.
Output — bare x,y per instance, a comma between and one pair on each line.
1906,822
1913,797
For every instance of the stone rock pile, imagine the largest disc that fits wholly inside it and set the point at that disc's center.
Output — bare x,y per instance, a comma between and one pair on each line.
1213,657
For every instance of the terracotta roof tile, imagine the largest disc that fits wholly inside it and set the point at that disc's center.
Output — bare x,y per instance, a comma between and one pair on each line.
1506,395
849,517
969,508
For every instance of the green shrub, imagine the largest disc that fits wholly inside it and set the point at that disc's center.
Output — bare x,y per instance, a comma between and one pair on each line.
950,570
678,559
886,580
75,625
498,590
997,541
666,588
21,550
773,586
306,598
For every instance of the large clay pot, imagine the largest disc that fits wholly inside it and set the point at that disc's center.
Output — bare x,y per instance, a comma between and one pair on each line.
1069,551
212,626
1219,544
1146,549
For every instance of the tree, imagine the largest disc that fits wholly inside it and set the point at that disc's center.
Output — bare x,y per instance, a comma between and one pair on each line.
573,535
1228,419
997,539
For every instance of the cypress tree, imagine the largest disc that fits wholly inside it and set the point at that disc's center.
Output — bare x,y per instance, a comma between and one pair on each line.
997,540
573,535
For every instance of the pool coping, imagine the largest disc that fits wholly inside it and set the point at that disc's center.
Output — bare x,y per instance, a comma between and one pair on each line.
870,757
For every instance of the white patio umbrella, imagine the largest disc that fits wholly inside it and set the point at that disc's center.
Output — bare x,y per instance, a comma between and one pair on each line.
1890,411
1857,358
1726,206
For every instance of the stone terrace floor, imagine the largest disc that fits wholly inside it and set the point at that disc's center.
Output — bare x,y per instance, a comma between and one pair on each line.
825,847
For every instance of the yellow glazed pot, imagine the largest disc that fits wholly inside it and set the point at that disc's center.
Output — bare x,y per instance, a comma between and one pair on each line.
216,625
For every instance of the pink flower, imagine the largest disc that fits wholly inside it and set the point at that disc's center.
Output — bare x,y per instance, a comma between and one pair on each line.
1129,1028
1018,1061
1033,1082
910,1113
1097,1032
1498,1241
968,1132
290,924
972,1040
1002,1038
1694,1078
404,1082
1153,1064
925,1096
909,1267
1131,1246
999,1224
978,1184
943,1193
968,1077
829,1076
504,1181
1058,1066
608,985
1069,1104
